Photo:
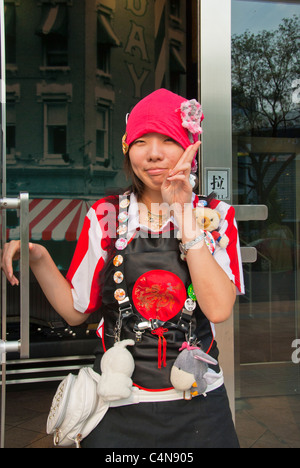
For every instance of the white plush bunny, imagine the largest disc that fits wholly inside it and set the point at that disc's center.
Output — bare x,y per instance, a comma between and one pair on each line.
117,366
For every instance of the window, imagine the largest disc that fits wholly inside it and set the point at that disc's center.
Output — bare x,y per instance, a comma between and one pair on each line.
10,33
53,29
55,51
10,130
102,136
103,58
106,39
56,130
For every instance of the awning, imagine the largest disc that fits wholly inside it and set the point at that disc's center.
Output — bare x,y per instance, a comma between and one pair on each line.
106,34
57,219
53,21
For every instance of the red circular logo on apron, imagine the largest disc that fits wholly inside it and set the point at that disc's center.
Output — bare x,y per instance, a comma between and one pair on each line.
159,294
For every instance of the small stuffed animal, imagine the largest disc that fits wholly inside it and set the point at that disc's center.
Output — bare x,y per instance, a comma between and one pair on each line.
209,220
117,366
190,370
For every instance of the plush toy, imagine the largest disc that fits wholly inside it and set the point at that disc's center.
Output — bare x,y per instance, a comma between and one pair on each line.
209,220
190,370
117,366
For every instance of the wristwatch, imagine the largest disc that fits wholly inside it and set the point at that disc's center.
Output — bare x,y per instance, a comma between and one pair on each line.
185,247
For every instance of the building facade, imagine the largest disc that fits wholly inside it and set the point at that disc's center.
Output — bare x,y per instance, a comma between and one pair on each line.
74,70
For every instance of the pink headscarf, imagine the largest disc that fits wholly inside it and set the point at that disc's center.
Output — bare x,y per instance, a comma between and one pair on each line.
168,114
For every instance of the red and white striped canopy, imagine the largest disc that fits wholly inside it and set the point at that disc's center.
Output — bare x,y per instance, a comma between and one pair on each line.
57,219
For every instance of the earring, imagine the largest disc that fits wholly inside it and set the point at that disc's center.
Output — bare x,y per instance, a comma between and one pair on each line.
125,146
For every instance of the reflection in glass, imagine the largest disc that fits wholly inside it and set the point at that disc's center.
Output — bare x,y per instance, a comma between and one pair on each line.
266,130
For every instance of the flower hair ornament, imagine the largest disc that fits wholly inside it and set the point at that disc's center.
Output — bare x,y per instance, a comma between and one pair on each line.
192,116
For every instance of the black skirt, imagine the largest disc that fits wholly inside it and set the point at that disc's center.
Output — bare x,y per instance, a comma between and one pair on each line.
203,422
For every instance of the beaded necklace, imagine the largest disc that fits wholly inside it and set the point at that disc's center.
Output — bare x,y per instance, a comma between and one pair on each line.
156,221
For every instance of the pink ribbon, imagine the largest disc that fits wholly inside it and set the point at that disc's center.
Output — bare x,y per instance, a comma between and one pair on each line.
187,346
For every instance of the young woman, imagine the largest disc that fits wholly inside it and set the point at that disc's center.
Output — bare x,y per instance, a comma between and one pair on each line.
158,279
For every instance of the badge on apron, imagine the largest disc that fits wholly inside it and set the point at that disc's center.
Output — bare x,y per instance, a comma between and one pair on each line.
122,229
121,244
120,295
118,260
191,293
190,305
124,203
123,217
118,277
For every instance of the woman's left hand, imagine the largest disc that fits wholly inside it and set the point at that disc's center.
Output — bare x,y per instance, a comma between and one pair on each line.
176,188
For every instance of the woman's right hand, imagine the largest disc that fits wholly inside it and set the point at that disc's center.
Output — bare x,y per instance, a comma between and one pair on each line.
54,285
11,252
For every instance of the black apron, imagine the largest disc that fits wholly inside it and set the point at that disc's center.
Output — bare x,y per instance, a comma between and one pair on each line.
203,422
149,263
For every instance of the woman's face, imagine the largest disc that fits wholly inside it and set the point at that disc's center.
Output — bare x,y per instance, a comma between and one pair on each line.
152,157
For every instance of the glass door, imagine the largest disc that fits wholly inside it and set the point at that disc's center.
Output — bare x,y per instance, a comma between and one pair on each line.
250,87
266,130
2,221
66,106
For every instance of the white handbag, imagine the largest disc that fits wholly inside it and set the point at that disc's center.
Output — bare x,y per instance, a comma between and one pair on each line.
81,401
76,408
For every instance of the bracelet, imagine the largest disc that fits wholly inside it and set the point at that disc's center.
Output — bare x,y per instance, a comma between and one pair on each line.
185,247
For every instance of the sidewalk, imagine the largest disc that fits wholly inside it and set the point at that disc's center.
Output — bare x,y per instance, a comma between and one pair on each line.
261,422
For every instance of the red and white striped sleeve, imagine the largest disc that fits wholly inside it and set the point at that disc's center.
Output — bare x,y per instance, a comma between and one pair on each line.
230,258
89,259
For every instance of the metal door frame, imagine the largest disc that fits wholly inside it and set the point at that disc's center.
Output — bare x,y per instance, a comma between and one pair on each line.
214,36
216,148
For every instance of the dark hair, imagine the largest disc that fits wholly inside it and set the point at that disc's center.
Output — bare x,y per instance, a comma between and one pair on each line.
137,186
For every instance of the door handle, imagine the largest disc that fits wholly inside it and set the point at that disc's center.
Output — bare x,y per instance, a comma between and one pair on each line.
21,346
250,213
24,275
